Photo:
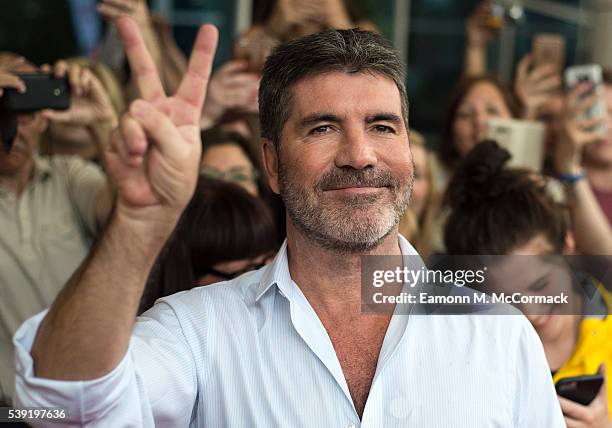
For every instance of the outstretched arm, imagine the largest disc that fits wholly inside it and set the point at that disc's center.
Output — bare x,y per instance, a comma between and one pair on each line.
153,161
591,229
478,33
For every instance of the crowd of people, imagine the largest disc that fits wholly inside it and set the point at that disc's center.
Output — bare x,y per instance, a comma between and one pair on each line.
59,175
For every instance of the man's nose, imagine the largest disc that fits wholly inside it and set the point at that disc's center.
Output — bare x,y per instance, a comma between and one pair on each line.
355,150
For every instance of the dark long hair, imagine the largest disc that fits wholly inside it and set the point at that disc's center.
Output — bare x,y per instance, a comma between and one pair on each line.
496,209
447,150
222,223
216,136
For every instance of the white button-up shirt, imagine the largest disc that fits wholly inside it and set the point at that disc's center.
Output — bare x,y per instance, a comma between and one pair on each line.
252,352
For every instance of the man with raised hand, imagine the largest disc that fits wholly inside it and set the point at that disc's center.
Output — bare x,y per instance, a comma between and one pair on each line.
286,345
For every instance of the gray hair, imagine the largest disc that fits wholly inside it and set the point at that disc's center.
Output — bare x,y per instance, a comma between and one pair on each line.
350,51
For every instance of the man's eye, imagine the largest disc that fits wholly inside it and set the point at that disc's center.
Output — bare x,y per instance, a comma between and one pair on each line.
383,129
321,129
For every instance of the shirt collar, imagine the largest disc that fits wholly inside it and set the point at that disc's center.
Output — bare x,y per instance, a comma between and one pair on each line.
278,273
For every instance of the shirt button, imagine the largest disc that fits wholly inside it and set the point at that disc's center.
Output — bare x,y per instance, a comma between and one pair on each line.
350,426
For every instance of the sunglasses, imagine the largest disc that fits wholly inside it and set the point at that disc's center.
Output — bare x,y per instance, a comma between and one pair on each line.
232,275
234,175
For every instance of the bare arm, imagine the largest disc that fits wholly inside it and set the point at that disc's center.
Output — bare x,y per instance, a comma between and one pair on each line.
478,33
153,160
87,330
111,10
591,229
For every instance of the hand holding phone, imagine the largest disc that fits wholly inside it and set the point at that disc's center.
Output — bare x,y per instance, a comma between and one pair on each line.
523,139
41,92
592,75
581,389
587,404
89,103
536,85
548,49
574,132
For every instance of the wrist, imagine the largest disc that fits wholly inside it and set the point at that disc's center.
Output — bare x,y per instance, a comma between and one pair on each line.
530,112
572,176
568,165
150,226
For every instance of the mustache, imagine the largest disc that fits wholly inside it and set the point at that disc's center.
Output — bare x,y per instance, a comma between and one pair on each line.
349,177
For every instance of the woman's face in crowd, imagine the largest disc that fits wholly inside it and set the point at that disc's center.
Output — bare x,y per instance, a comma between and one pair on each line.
526,272
481,103
600,152
229,162
421,185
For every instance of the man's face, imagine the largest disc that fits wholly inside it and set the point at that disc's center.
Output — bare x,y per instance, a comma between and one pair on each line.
345,169
29,129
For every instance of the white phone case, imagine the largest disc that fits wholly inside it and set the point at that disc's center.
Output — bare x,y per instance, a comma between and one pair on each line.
589,73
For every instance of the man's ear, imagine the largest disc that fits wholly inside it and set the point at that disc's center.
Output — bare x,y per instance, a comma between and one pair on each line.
270,163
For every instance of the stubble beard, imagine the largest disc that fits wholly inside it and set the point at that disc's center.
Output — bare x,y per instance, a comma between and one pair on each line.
350,224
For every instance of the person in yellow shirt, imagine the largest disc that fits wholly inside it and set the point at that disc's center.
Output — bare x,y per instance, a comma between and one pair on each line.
495,210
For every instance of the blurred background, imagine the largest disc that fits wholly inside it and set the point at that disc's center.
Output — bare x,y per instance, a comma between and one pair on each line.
429,33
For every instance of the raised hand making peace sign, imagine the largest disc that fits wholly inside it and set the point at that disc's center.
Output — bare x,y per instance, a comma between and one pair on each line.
153,160
155,151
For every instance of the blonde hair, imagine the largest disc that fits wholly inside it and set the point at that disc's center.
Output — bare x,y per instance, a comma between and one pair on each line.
419,230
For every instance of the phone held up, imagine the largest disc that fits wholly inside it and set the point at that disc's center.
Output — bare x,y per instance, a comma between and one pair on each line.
548,48
593,74
581,389
43,92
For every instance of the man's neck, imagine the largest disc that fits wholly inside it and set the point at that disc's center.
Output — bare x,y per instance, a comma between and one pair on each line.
331,280
600,177
17,181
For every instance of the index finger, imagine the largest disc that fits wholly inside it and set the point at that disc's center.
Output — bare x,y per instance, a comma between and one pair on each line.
143,68
193,86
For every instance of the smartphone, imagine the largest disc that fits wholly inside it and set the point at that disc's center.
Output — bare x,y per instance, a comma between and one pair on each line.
581,389
548,48
589,73
523,139
43,91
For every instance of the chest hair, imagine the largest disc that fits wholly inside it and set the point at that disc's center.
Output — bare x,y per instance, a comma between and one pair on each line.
357,350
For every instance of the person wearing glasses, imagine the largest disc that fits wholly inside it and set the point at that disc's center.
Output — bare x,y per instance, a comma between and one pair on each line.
229,157
223,233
